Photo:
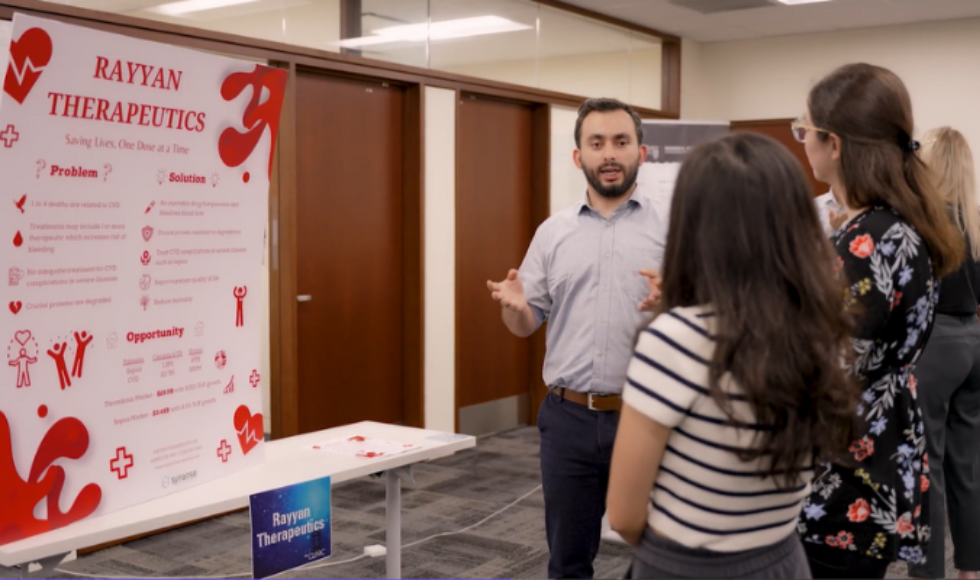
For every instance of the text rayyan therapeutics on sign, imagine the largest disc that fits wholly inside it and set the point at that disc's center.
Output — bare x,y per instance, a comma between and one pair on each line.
290,527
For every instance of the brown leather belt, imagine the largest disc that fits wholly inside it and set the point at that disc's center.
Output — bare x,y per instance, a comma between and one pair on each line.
594,401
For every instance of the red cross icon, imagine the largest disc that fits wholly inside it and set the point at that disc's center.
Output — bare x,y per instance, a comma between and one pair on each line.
254,378
121,463
9,137
224,451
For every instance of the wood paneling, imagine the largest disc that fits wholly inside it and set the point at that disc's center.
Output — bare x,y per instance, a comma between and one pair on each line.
670,71
779,130
413,219
493,230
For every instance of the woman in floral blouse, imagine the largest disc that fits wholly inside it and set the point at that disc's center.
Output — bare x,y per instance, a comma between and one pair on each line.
869,508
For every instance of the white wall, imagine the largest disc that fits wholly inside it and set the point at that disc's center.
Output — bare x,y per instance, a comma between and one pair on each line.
770,78
631,77
567,181
696,94
440,259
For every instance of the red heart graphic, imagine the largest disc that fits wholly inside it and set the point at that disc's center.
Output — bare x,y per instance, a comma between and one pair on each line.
15,306
249,428
29,55
22,336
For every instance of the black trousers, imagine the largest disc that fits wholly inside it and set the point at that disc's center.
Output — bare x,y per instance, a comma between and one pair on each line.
576,449
948,384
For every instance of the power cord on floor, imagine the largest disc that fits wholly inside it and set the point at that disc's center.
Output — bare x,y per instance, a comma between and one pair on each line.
315,566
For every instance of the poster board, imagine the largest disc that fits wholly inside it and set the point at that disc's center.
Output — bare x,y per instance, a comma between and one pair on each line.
136,180
668,142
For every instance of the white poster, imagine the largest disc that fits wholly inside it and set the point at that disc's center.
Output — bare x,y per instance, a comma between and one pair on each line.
668,142
135,180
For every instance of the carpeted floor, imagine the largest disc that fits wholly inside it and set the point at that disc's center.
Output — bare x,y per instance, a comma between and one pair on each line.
450,494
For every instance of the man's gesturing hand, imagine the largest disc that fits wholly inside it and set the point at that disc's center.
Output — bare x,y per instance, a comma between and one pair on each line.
509,292
649,304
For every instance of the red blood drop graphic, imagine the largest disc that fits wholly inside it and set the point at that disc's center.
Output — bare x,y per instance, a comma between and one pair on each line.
246,177
18,240
42,411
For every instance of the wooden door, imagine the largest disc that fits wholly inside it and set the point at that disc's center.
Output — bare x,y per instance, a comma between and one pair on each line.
349,239
494,226
779,130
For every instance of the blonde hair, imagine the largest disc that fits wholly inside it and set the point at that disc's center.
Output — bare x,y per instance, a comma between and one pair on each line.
946,151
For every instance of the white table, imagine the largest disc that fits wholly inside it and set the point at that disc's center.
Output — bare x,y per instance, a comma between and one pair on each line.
288,461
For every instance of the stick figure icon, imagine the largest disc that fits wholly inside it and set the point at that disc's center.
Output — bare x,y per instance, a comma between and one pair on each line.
81,343
23,363
240,292
58,354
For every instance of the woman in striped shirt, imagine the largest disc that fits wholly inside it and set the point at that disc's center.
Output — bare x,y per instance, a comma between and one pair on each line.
737,386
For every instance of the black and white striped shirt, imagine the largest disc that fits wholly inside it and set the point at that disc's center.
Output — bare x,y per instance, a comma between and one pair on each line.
704,495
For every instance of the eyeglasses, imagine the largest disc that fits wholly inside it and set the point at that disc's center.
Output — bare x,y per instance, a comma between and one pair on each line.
800,127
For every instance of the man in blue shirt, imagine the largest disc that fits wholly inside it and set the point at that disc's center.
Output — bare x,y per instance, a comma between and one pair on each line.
590,273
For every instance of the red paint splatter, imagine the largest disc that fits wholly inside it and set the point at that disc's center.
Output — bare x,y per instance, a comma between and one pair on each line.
246,177
18,240
235,146
68,438
356,438
42,411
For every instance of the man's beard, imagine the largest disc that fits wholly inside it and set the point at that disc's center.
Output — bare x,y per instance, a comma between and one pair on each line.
594,177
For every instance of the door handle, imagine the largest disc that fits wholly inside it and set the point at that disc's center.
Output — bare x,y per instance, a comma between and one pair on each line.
304,298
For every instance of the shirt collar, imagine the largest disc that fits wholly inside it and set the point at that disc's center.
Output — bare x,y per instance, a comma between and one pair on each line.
831,202
636,198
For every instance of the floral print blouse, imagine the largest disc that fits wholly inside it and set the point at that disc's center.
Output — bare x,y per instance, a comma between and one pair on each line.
877,506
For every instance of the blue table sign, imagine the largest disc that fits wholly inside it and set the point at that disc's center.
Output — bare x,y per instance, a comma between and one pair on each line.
290,527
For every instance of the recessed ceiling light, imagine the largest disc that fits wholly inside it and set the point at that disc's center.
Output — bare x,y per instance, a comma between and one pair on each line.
446,29
187,6
794,2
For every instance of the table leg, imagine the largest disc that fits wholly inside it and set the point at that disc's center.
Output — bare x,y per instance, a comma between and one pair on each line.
45,568
393,519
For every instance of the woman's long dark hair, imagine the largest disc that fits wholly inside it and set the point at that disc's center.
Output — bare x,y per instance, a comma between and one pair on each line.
745,239
869,109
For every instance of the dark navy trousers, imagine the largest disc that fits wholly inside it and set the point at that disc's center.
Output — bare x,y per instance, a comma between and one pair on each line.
576,449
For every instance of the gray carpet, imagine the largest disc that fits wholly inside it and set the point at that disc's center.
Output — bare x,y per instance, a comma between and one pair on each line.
449,495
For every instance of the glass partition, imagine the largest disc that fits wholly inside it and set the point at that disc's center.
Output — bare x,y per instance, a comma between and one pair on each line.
520,42
501,44
393,31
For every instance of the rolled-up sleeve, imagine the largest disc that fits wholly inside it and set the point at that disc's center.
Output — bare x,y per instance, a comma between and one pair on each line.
534,274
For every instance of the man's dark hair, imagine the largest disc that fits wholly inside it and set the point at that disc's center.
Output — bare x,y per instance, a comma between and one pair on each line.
606,106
